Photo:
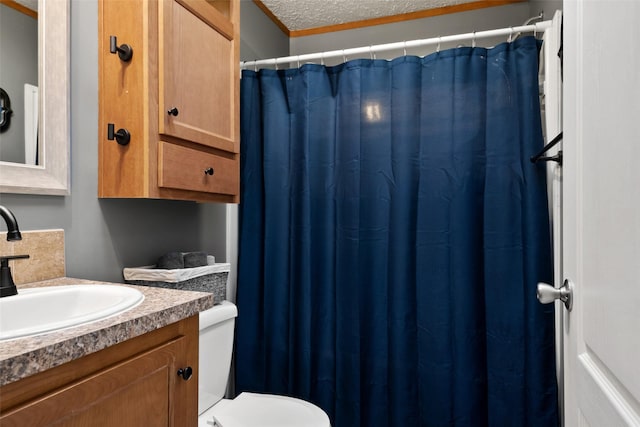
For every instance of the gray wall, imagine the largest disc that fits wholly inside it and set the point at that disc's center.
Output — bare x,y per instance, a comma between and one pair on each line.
464,22
103,236
547,7
260,37
18,65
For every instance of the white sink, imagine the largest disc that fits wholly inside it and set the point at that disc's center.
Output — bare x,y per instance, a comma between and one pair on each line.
39,310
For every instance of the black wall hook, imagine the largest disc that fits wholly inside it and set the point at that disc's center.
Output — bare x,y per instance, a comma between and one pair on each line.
540,156
122,136
125,52
5,110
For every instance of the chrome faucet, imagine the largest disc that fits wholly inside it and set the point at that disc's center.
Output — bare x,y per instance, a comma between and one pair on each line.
7,286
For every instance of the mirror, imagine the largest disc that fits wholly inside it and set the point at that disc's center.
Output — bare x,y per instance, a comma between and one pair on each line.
51,174
18,81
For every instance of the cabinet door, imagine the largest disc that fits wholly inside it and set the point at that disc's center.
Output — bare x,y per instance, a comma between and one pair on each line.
141,391
197,64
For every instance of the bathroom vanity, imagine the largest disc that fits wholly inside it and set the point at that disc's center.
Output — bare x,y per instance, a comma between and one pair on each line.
136,368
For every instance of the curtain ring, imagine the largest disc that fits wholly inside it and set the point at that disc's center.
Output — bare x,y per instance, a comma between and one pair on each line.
255,65
322,59
275,62
298,61
405,48
438,48
344,57
473,40
510,35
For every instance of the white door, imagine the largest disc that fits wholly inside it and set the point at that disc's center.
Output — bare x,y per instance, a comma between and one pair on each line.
601,211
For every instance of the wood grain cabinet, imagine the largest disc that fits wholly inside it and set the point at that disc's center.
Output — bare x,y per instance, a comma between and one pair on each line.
135,383
177,97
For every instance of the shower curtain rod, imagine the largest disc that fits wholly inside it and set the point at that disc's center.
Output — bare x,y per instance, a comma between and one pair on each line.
511,31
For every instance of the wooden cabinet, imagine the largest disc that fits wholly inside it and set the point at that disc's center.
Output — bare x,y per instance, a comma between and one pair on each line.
178,97
134,383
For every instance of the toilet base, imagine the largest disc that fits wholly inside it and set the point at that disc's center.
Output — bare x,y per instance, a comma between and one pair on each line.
263,410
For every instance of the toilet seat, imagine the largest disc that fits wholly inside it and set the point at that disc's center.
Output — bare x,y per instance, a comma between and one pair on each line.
265,410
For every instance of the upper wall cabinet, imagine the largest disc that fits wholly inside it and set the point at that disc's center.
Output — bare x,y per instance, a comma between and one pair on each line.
169,99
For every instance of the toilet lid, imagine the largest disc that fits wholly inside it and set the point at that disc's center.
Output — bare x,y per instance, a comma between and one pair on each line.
268,410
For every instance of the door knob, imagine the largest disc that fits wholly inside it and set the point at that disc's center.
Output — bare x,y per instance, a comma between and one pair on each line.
547,294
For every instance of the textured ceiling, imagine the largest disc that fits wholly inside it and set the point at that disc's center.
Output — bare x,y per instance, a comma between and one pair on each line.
299,15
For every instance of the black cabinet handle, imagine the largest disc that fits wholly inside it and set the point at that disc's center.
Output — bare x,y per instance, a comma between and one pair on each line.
173,112
185,373
122,136
208,171
125,52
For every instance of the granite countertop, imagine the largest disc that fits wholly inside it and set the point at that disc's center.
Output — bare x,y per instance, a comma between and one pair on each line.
22,357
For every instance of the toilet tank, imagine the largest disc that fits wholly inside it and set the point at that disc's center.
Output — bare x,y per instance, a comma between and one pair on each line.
216,347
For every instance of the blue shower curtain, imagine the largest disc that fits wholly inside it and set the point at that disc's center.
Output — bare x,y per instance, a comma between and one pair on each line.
392,232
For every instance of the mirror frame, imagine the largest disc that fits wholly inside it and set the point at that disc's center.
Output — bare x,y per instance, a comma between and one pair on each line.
52,177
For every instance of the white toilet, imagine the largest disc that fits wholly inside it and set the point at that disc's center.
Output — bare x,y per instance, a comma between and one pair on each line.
248,409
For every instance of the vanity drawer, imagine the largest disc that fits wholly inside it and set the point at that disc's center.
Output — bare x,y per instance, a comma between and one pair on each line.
185,168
